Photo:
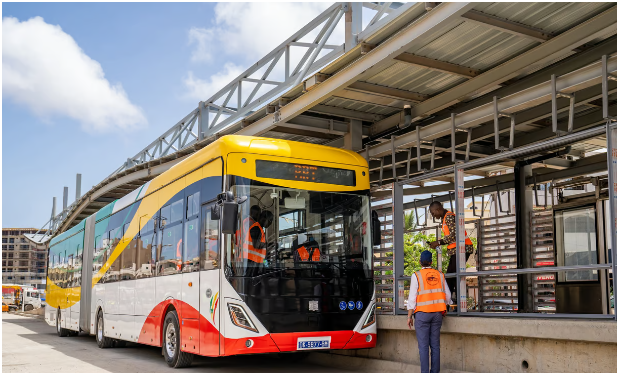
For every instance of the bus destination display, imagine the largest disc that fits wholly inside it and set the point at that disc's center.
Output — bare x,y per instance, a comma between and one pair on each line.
304,172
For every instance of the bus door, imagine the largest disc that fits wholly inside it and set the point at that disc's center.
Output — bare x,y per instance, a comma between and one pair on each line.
210,283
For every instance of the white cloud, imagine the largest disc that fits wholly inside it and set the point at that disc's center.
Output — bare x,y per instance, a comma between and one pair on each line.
44,69
203,39
205,88
254,29
246,32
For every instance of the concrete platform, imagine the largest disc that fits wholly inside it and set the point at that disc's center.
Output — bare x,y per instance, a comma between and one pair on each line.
497,345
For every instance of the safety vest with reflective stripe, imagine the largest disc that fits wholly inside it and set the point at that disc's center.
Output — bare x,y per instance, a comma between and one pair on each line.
431,294
446,231
304,254
248,250
246,223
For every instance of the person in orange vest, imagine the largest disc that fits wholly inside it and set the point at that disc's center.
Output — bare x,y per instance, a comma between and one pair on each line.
448,227
254,214
308,252
428,296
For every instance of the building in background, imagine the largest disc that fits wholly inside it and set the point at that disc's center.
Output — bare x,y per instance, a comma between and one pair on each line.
23,261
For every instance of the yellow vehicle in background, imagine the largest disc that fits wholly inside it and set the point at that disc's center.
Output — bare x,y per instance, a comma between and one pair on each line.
5,307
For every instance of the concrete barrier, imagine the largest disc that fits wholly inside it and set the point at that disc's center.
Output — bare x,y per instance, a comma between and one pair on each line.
490,345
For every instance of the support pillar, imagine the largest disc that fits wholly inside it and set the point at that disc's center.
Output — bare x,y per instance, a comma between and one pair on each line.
523,205
65,198
353,25
78,187
611,139
461,268
353,137
203,120
398,242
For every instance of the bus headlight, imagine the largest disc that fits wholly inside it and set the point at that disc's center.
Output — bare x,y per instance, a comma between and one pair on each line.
240,318
370,318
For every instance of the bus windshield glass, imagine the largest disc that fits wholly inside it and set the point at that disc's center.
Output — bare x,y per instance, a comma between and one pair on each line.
283,228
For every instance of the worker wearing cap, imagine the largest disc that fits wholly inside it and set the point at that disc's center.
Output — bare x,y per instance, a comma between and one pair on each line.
428,296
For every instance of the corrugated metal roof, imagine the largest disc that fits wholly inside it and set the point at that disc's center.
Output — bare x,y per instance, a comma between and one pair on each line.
415,79
549,17
474,45
360,106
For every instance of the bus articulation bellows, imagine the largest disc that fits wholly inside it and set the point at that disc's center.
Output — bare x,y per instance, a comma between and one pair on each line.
250,245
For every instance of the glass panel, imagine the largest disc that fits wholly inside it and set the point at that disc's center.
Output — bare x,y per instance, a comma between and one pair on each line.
176,211
129,265
170,259
277,230
576,242
191,246
210,237
144,256
192,205
165,216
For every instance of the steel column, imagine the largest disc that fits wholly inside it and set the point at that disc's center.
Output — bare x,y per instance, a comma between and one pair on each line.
398,240
77,187
459,202
353,25
611,151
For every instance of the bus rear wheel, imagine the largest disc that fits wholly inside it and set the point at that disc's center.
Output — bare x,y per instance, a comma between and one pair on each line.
101,340
174,356
59,329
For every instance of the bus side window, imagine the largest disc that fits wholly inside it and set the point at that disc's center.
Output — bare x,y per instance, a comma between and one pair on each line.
170,257
191,235
209,238
77,265
144,247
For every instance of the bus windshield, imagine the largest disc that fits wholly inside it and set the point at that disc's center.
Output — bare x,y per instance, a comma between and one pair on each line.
283,228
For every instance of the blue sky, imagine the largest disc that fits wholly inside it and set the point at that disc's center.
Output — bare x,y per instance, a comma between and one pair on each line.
89,84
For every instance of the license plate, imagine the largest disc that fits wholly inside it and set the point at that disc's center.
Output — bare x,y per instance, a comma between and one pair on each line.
313,343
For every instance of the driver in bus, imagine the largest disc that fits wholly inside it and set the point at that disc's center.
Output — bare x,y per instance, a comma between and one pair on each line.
254,247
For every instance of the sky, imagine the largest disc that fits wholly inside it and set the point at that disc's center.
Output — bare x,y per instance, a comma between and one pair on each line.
87,85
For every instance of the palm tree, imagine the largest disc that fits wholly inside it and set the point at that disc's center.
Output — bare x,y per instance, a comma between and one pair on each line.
410,220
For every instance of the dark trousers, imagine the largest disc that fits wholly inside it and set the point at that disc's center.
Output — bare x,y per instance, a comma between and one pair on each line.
428,326
452,284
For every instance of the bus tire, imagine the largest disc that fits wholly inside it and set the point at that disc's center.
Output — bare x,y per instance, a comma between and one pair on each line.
59,329
101,340
29,307
174,356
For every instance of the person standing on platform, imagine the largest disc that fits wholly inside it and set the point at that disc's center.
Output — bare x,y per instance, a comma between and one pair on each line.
448,227
428,297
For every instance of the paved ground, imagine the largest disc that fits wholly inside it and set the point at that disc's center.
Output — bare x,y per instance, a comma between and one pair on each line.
30,345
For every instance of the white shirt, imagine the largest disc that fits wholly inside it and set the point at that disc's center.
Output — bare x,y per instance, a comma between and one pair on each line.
413,291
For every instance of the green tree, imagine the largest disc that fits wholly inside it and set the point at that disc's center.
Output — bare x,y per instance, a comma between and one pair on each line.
410,220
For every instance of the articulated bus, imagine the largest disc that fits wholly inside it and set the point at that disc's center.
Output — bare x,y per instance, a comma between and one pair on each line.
250,245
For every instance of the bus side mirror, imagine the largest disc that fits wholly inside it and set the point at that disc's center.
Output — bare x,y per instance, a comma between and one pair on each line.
229,221
226,210
376,228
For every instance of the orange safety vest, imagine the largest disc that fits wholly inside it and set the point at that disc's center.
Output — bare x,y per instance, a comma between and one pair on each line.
446,232
248,250
304,254
431,294
246,223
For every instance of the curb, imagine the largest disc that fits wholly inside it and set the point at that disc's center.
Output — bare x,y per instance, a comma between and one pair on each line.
365,365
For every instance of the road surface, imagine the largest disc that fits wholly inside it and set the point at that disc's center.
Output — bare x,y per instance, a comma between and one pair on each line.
29,345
